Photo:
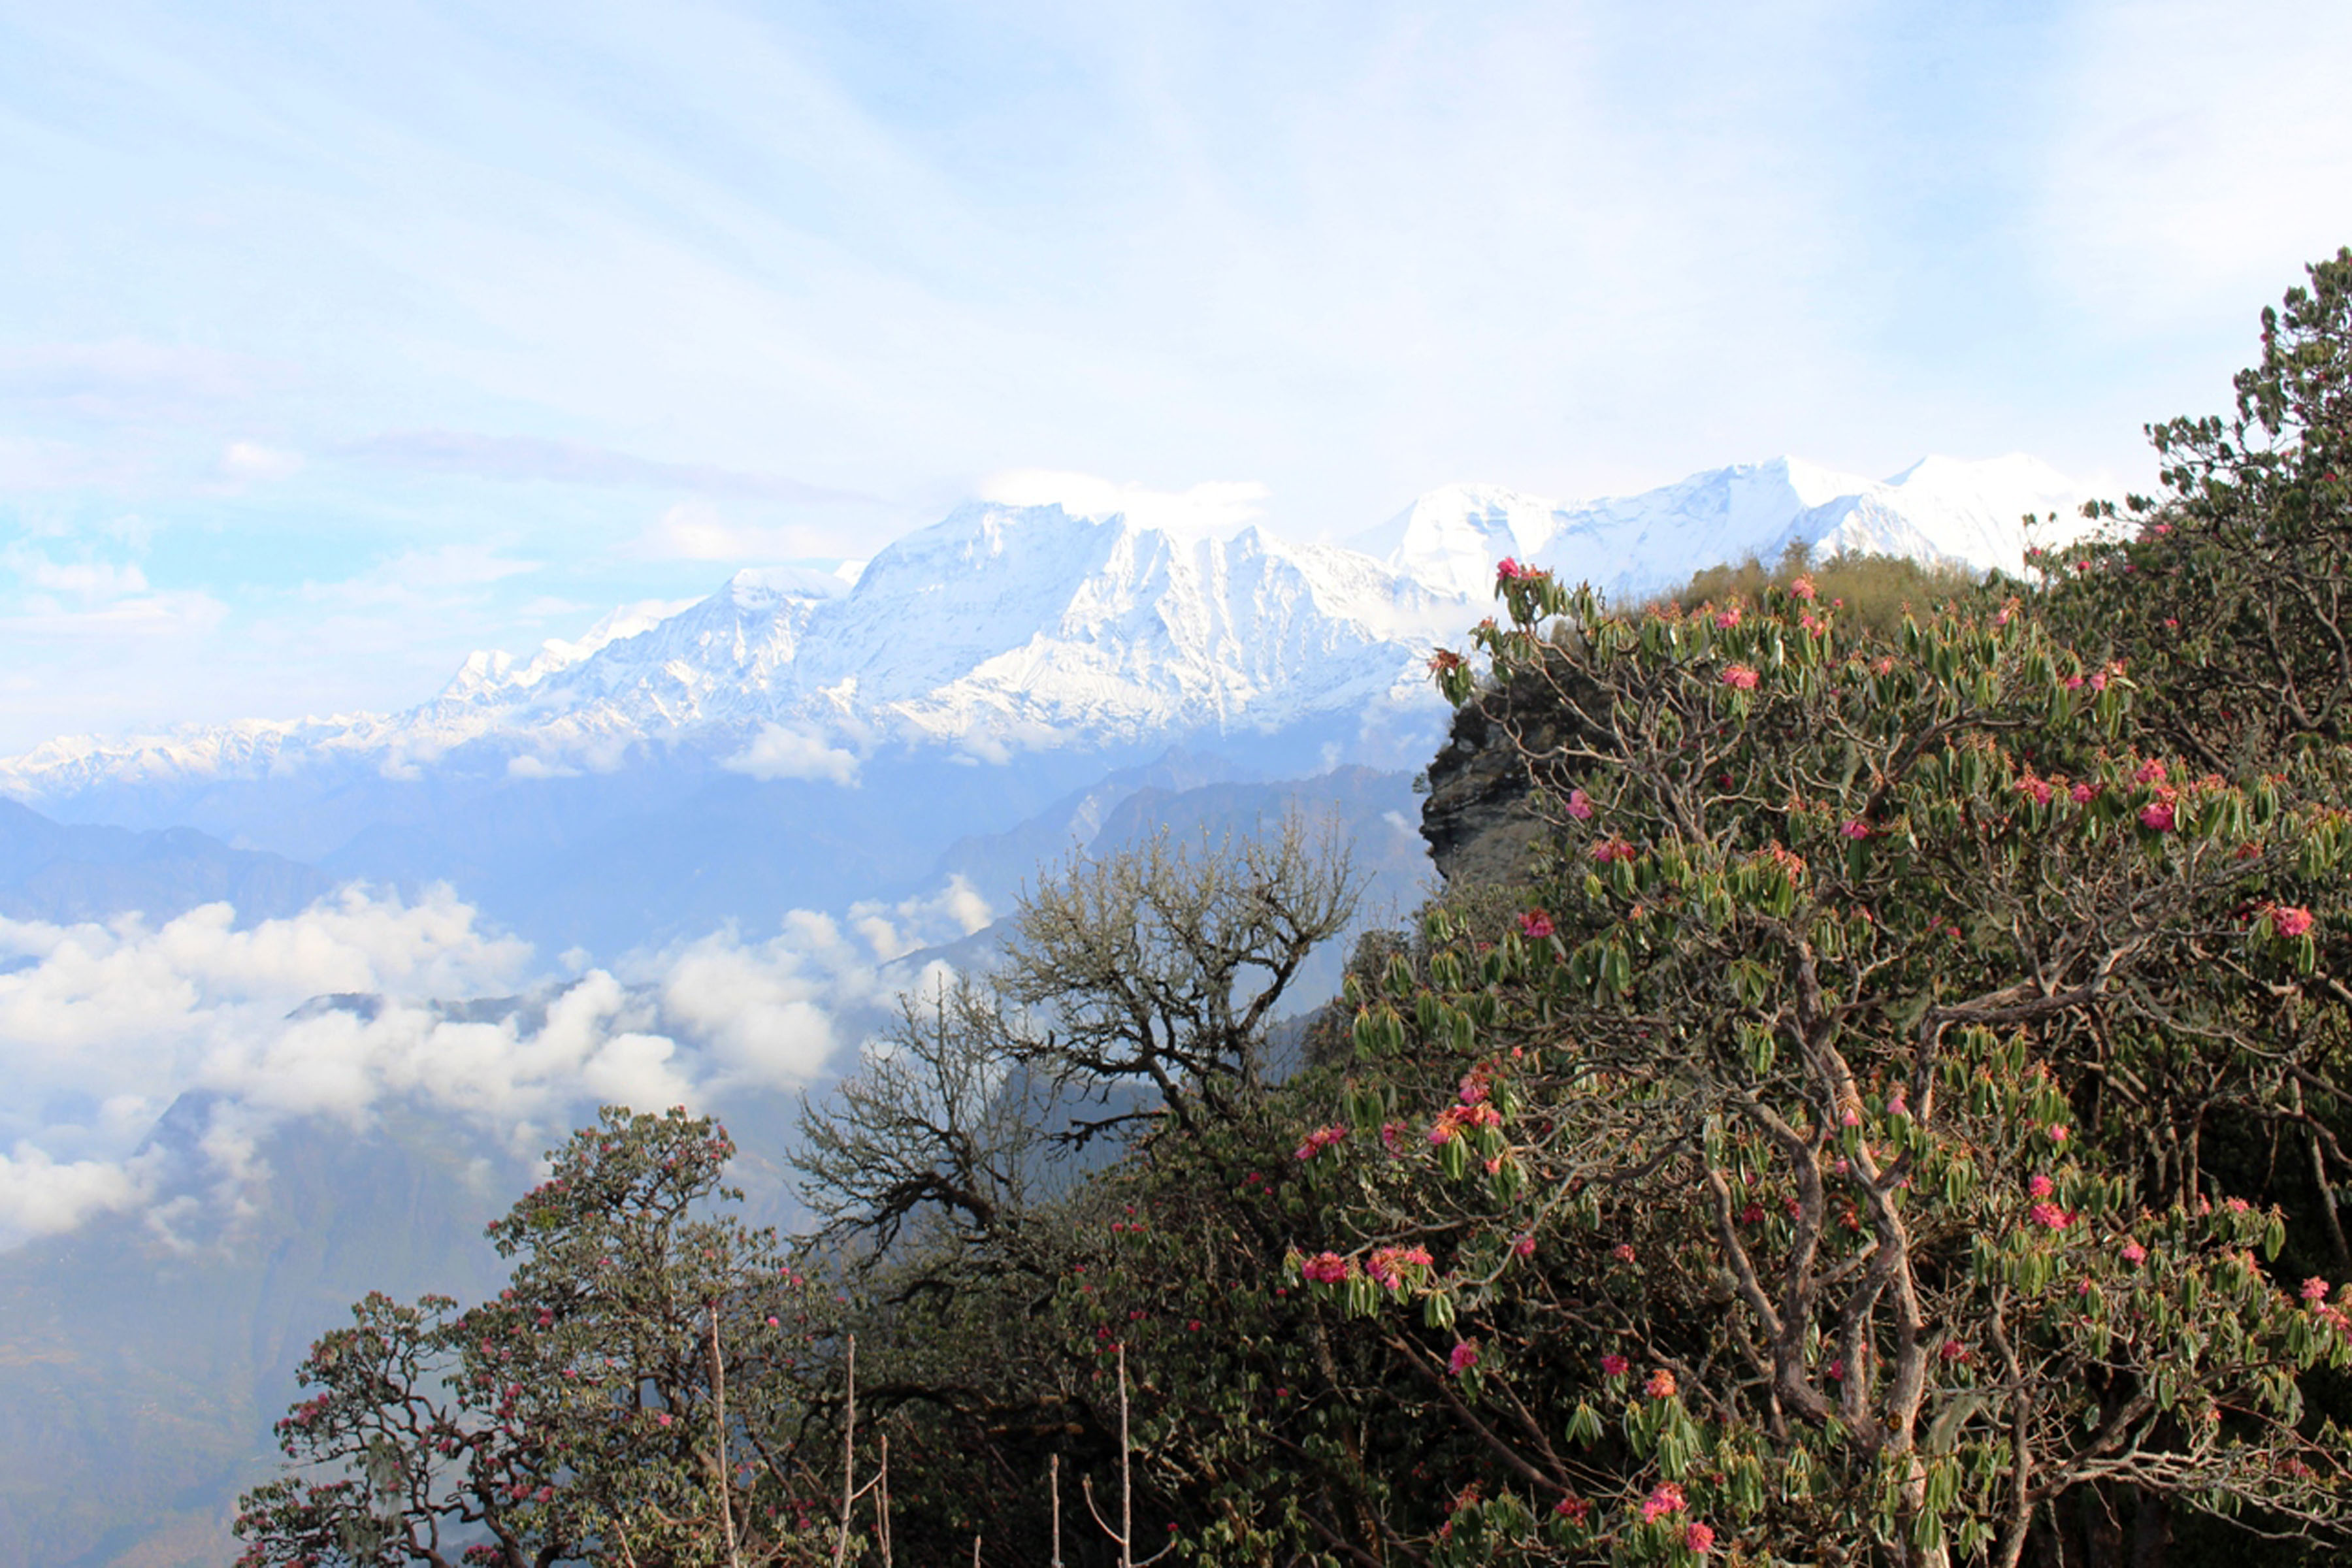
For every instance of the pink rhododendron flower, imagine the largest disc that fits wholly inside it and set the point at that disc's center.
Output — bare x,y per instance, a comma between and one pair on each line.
2041,1186
2036,790
2073,683
1614,1365
2157,816
1387,1264
1836,1371
1327,1268
1699,1540
1322,1138
1729,618
1855,828
2083,795
1508,570
1660,1384
1953,1349
1623,1252
2133,1252
1535,925
2057,1133
1610,849
1741,677
2314,1289
1803,589
1524,1247
2151,772
1464,1356
1849,1116
1473,1087
1579,805
1667,1498
2290,919
2049,1216
1575,1509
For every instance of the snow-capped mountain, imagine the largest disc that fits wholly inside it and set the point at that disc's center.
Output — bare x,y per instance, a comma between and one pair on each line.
1004,630
1939,508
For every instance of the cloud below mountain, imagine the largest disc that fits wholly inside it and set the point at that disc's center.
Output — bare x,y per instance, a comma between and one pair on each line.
366,999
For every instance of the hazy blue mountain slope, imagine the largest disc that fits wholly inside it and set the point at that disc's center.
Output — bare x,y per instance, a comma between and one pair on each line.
140,1373
64,873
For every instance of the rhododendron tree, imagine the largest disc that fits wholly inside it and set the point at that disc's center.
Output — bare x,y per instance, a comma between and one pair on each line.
630,1398
2224,596
1843,960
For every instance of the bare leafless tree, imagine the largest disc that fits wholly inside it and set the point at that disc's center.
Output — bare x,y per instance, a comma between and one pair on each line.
1163,964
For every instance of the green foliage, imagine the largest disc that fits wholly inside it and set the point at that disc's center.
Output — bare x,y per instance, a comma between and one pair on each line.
580,1416
2225,598
1792,1102
1874,593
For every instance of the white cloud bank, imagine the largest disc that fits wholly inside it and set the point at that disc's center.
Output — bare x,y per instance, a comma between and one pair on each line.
779,752
365,1000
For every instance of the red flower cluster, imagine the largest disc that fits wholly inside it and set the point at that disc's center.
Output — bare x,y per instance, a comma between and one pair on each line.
1535,925
1460,1118
1322,1138
2289,919
1667,1498
1327,1268
1387,1264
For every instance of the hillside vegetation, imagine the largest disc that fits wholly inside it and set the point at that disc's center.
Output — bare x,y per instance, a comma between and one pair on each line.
1893,1112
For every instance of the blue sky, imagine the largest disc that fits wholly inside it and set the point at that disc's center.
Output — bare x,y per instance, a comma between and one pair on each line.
336,340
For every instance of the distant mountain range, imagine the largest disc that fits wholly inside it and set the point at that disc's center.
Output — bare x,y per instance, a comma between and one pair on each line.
1003,632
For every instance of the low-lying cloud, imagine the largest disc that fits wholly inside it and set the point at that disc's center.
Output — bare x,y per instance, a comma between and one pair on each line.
367,1000
778,752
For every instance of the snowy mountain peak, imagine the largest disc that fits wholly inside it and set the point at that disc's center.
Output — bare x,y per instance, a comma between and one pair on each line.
1939,508
1005,629
1450,538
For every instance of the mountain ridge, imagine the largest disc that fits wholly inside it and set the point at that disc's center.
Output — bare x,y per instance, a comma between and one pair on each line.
1001,630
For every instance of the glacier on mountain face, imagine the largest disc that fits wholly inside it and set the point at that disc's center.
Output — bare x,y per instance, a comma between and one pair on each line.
1011,630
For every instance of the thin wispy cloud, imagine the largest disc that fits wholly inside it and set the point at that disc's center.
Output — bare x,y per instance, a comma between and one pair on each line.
521,459
816,277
